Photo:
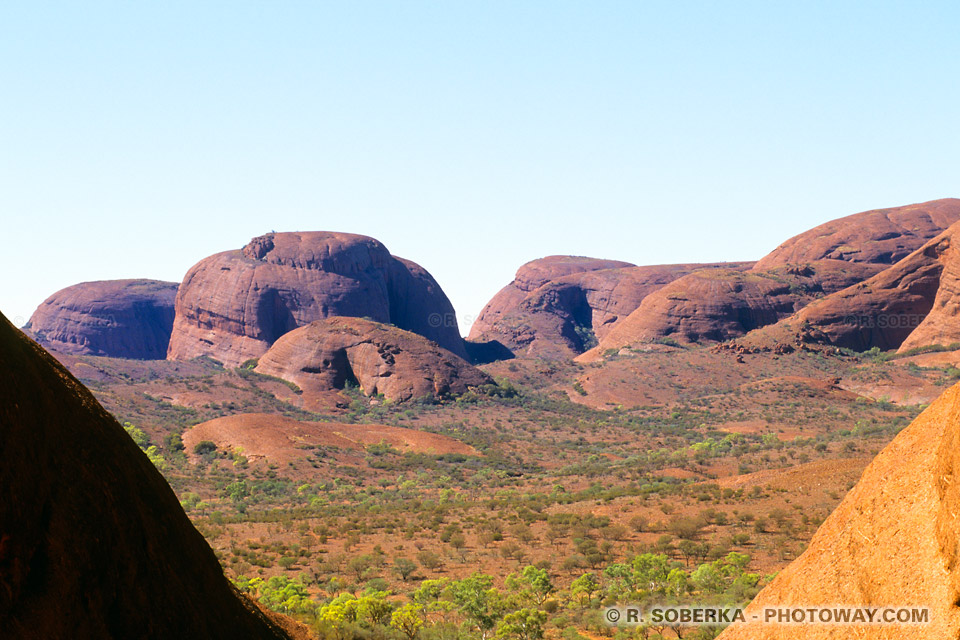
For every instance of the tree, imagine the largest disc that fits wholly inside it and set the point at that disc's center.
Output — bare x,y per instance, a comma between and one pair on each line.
584,587
431,596
374,609
458,542
479,601
512,550
429,559
708,578
525,624
651,571
359,565
340,610
204,447
639,523
405,567
693,551
138,436
408,619
532,584
688,528
677,584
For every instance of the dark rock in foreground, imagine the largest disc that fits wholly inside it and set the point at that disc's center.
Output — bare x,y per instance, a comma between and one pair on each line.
93,542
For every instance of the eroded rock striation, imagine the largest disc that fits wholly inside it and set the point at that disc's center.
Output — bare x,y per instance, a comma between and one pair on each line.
114,318
234,305
379,358
892,542
93,542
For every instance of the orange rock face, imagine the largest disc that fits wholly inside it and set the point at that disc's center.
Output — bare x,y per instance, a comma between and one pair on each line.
232,306
115,318
892,542
882,236
557,307
93,542
381,359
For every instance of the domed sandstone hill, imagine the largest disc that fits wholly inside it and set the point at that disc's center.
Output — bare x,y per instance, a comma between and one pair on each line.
380,359
114,318
232,306
720,306
881,236
910,304
93,542
892,542
558,306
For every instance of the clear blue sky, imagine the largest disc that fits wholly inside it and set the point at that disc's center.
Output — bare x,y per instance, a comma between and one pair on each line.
137,138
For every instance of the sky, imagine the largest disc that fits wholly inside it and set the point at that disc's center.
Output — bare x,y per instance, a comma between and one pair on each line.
136,138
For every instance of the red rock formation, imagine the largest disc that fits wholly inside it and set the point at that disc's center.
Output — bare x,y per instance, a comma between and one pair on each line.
892,542
381,359
232,306
116,318
912,303
941,325
824,260
882,236
93,542
720,304
558,306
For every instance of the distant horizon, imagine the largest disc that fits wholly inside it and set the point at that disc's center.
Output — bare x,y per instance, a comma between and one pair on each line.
468,137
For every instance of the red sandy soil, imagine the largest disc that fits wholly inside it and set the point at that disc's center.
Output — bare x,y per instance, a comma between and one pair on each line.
812,475
896,384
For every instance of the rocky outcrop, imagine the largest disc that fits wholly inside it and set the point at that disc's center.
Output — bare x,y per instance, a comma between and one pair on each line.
234,305
882,236
912,303
380,359
114,318
558,307
93,542
892,542
720,304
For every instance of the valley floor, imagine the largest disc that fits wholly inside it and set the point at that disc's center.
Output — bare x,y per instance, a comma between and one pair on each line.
670,474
